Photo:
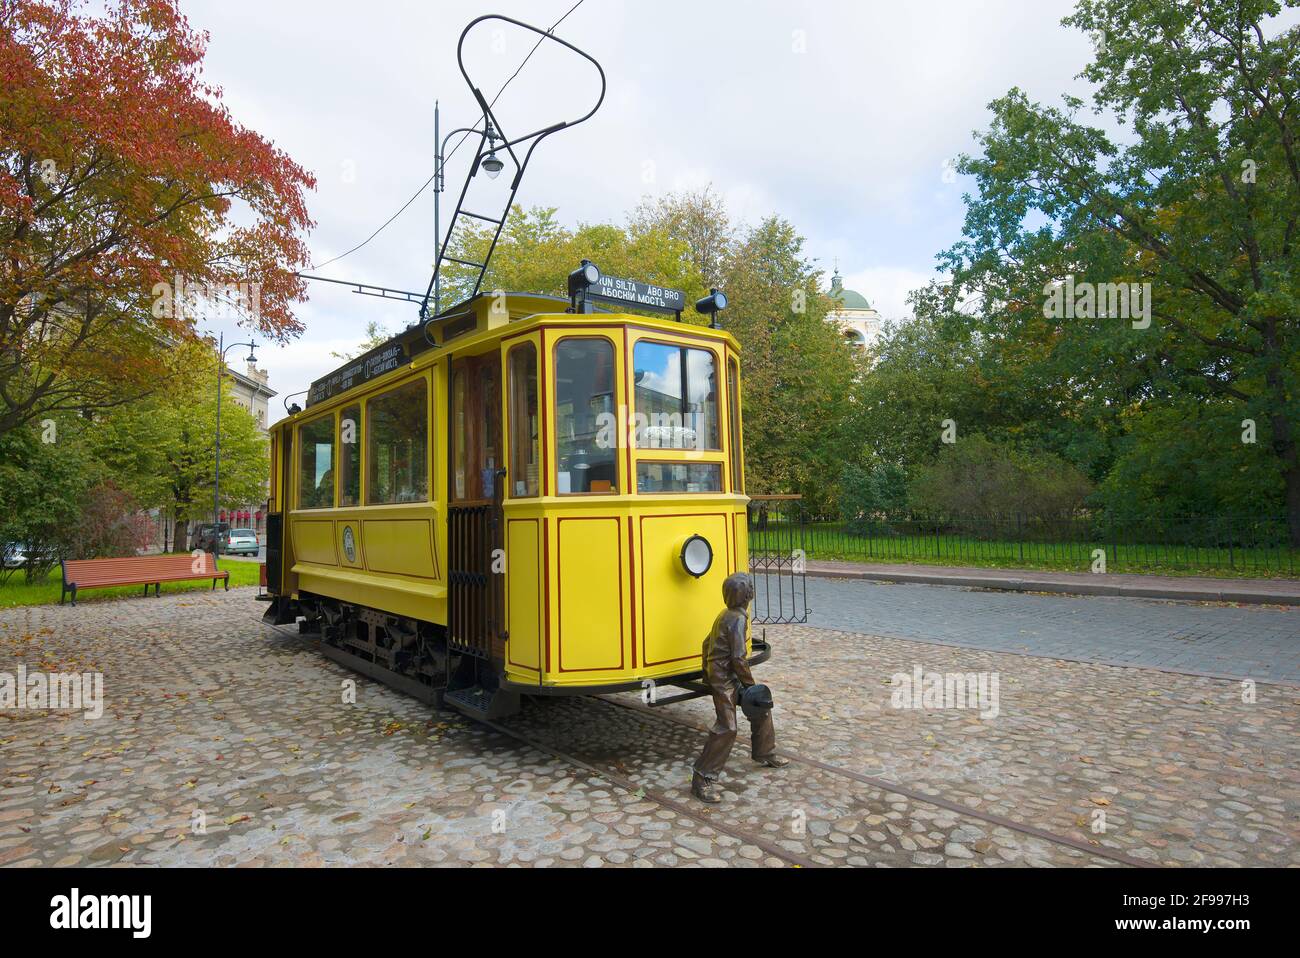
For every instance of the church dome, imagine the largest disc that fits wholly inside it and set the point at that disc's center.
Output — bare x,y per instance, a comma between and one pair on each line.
849,298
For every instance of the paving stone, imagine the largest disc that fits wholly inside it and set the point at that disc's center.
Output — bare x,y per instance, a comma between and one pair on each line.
1189,774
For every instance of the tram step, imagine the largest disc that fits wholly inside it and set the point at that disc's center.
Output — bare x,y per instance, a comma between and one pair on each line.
480,703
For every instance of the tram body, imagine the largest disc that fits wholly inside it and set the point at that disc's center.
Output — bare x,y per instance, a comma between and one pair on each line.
511,500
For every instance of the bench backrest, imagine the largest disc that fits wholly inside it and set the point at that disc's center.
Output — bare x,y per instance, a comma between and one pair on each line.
138,568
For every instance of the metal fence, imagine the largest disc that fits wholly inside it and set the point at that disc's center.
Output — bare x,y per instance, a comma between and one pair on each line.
1212,545
777,554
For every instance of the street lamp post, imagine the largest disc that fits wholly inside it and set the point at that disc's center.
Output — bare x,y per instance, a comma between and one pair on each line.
222,349
491,165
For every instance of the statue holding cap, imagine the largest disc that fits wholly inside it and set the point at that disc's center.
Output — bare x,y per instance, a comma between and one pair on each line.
727,674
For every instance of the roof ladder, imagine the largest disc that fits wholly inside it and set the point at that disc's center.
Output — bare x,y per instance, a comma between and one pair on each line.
492,140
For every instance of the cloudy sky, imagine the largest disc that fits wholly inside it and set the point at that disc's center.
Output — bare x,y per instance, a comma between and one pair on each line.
840,116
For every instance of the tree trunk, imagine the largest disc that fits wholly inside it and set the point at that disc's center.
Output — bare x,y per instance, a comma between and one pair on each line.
1284,443
1286,450
180,534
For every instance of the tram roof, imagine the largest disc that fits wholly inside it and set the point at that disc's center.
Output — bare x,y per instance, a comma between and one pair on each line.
461,320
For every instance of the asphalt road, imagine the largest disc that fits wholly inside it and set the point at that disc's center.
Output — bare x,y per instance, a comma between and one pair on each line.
1260,642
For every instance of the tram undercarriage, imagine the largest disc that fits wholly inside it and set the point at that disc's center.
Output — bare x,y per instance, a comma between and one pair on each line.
413,657
408,655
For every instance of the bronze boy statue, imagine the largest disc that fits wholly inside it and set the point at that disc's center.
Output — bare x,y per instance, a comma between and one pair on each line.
726,673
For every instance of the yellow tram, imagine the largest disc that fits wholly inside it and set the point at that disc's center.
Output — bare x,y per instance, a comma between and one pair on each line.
523,496
520,494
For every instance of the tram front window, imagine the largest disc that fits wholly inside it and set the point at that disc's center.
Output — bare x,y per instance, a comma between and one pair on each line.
316,464
676,397
586,441
678,477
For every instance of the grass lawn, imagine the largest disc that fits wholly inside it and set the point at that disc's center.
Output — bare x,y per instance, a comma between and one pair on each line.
17,591
956,550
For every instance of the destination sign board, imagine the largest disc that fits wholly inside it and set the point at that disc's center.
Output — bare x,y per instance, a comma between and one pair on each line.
635,293
374,363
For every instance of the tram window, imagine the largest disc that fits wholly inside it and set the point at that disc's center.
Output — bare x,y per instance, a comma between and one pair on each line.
397,445
679,477
350,457
676,397
316,464
458,387
524,446
733,420
489,432
586,441
273,499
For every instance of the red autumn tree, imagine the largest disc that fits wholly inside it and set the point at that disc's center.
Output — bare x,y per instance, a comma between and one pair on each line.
124,179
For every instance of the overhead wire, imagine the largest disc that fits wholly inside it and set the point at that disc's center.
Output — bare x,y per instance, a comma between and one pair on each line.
425,186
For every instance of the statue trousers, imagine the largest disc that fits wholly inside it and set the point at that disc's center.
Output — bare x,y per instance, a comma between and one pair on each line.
762,735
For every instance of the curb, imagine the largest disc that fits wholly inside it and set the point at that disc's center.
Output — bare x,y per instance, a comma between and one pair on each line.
1010,584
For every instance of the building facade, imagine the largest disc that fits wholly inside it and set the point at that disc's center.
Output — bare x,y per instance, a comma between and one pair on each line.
858,322
250,390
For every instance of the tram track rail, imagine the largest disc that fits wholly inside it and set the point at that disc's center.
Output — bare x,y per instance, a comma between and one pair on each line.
914,794
703,817
623,783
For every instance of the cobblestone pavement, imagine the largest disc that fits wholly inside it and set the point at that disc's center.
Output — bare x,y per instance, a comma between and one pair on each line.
1250,641
212,717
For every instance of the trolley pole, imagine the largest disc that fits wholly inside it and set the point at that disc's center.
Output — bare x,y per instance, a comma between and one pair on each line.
437,202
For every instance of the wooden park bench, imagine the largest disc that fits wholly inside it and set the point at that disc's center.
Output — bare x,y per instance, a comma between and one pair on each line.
140,570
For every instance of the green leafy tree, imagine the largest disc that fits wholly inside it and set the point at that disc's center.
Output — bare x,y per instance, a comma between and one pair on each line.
163,449
1196,192
536,254
46,472
872,489
700,221
1164,446
797,372
978,478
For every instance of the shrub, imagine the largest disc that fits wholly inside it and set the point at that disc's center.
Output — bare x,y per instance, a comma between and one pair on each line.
980,479
872,489
110,525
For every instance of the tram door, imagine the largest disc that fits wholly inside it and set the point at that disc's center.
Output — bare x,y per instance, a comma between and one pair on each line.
476,594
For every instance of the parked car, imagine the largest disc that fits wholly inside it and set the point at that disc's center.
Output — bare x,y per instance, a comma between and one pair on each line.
16,555
242,542
205,534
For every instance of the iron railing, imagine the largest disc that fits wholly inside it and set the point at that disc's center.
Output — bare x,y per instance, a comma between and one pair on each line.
777,555
1213,545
